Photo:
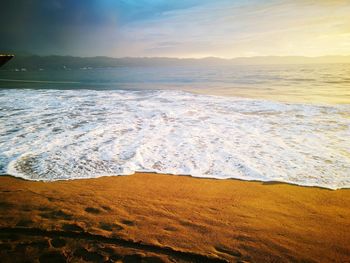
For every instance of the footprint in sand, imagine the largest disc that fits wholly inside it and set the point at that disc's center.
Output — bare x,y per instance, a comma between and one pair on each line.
92,210
56,215
128,222
110,227
72,227
58,242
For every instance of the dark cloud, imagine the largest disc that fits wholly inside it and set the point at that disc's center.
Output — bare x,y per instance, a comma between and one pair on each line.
46,26
61,26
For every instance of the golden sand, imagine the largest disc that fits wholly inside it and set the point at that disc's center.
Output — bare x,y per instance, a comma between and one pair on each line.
162,218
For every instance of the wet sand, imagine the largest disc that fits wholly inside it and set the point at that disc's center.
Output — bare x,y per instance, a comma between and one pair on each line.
164,218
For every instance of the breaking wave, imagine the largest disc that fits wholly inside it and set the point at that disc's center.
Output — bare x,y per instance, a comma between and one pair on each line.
68,134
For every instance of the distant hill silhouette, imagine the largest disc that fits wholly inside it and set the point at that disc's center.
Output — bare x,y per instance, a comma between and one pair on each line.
35,62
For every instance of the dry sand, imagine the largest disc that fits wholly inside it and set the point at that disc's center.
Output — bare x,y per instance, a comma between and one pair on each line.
154,218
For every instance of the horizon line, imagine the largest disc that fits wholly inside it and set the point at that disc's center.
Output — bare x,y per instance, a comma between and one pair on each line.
196,58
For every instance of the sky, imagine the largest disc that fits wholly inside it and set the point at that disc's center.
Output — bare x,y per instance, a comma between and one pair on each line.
175,28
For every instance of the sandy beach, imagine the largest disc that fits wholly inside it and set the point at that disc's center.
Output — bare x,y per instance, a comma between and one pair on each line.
174,131
164,218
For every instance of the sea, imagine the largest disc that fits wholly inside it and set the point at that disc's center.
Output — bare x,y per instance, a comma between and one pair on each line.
280,123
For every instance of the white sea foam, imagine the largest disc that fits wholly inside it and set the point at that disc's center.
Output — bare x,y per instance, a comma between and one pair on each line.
54,134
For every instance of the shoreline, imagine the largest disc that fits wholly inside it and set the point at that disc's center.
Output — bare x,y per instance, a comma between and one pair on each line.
182,175
160,218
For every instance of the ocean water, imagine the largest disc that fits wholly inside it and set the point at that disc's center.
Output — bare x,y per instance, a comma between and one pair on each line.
291,83
233,123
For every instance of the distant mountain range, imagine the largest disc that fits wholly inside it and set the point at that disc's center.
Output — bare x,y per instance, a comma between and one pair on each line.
33,62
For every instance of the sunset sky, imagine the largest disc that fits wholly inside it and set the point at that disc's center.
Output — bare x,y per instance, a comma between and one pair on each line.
174,28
